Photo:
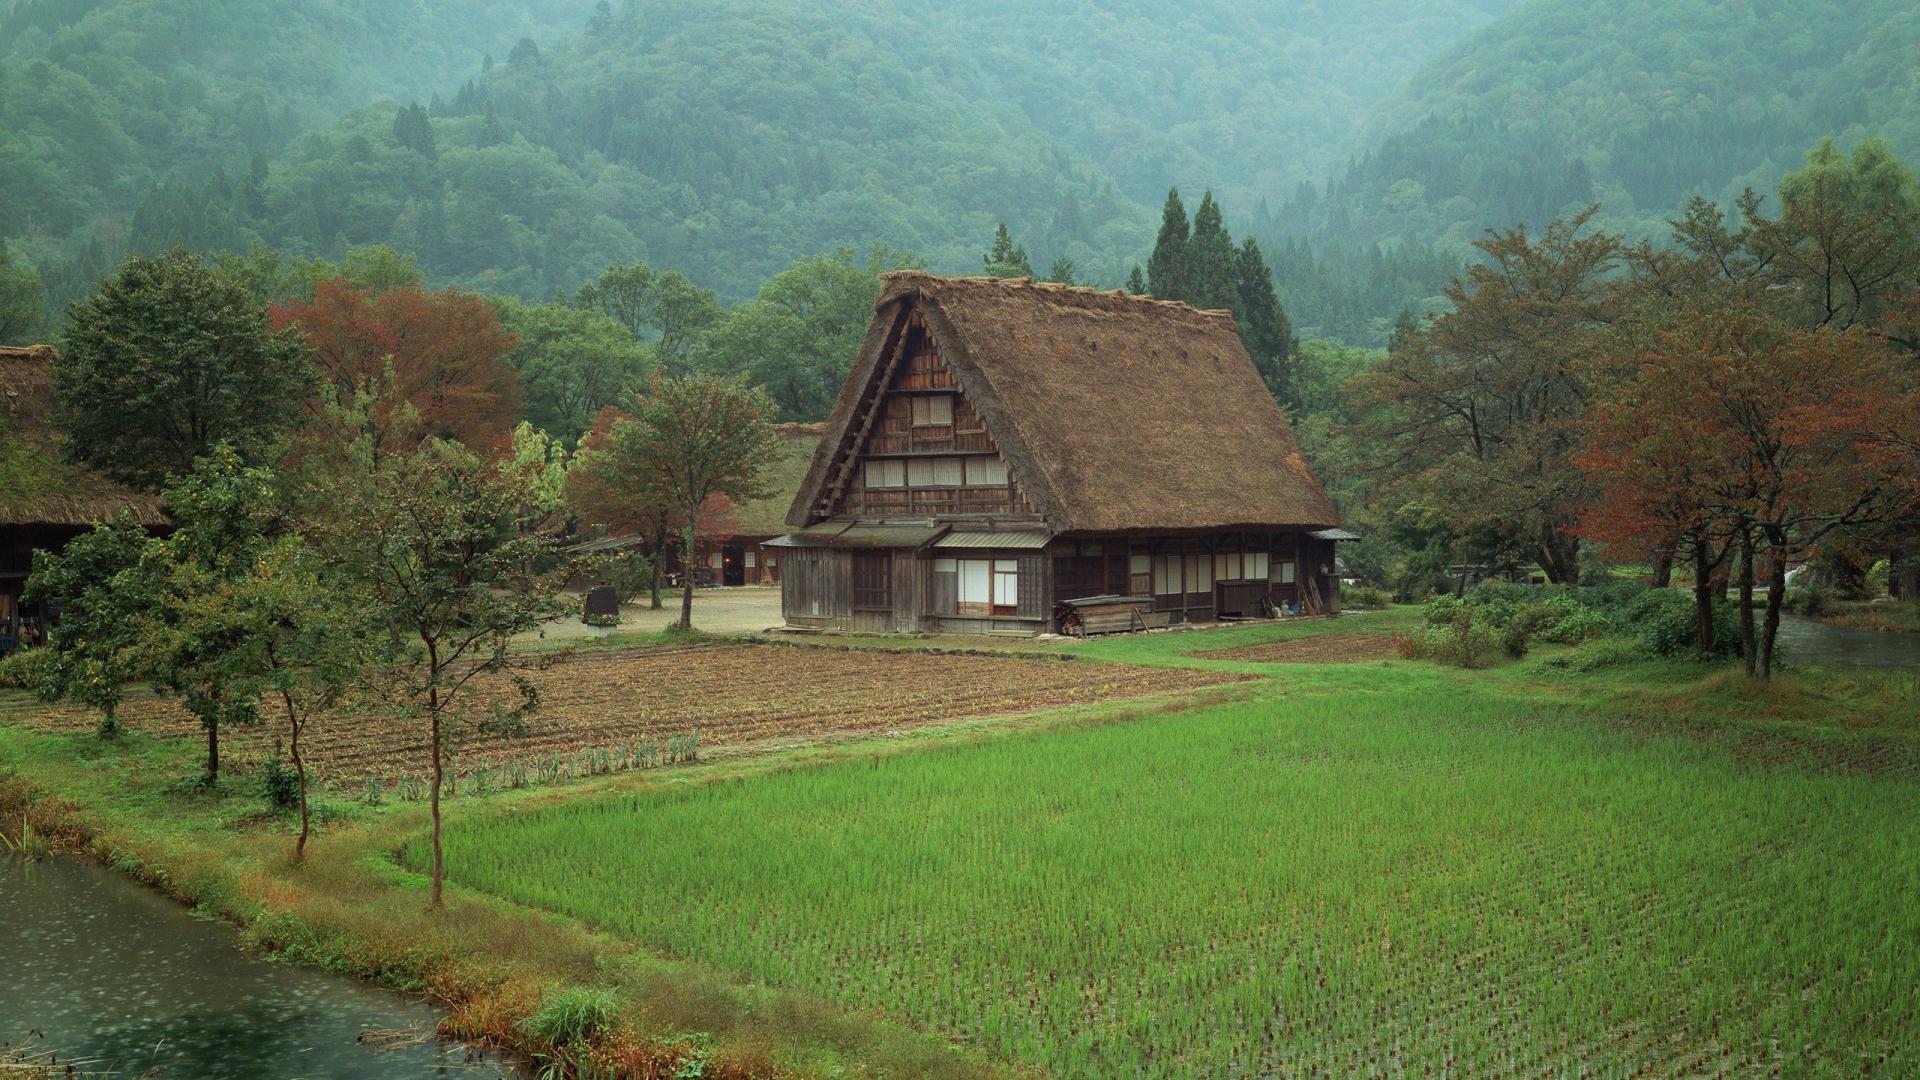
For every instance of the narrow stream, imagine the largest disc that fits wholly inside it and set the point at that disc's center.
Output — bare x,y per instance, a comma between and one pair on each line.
99,967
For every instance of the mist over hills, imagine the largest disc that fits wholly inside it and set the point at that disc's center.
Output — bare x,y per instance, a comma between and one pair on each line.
1365,144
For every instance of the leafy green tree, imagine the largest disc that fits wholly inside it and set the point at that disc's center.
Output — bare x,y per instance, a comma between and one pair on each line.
22,301
1167,273
572,361
1137,281
799,336
1006,259
1061,270
1477,414
104,585
169,359
699,438
222,512
1264,328
431,541
658,307
1211,266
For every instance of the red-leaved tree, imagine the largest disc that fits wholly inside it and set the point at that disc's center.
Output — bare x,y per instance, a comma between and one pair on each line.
1736,425
443,352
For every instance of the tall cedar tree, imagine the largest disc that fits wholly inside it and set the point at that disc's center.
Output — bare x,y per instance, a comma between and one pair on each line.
1137,281
1167,266
697,438
428,538
1212,268
1006,259
1264,328
1480,410
22,301
168,359
445,353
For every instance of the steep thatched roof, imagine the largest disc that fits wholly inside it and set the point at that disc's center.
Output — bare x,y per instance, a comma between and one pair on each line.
1116,412
36,487
767,517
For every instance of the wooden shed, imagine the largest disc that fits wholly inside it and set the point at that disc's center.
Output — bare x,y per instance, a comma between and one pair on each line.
44,501
1002,447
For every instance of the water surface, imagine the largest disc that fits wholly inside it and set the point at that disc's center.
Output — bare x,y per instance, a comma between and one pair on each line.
98,966
1808,641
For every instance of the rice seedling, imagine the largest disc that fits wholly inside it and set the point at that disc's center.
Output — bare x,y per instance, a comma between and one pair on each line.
1400,882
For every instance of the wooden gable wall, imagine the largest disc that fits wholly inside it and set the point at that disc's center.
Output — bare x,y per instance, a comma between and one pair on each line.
938,457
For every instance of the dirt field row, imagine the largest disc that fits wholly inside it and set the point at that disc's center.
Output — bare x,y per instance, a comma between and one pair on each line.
728,695
1319,649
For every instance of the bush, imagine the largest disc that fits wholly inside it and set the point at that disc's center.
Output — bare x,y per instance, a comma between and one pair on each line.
1665,620
1443,609
571,1017
1812,600
1364,596
281,785
26,669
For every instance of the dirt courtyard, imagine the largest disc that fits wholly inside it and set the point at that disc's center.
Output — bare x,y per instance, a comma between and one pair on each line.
748,609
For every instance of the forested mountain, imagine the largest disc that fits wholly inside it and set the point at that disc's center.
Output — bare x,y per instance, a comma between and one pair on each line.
1365,144
100,100
1636,105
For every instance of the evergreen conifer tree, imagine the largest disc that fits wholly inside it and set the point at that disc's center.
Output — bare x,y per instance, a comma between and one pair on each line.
1006,259
1210,262
1137,281
1167,266
1264,328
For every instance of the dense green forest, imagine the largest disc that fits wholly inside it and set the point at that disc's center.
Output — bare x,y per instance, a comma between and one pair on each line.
1636,106
522,148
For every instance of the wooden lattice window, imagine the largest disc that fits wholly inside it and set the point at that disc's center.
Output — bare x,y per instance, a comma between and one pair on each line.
872,581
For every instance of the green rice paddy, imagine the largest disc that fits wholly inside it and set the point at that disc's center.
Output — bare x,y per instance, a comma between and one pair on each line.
1382,871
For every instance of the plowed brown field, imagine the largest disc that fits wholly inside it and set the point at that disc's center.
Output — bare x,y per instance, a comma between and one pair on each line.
730,695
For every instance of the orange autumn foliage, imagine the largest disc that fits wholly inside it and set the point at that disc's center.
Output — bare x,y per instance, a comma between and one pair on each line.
445,351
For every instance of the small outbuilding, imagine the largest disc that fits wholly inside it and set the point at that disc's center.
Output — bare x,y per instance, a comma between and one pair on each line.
1004,447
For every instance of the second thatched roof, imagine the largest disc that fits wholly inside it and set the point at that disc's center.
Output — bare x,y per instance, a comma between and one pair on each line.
1117,413
36,486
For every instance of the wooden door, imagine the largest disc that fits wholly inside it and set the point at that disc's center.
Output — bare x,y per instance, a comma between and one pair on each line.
873,589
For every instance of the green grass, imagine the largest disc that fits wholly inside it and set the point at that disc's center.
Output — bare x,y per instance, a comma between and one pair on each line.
1368,868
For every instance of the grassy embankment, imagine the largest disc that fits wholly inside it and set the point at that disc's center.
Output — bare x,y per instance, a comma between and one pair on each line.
1385,865
1899,616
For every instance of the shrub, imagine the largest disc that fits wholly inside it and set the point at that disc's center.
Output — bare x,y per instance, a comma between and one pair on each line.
1665,620
1577,626
1364,596
1463,644
571,1017
26,669
1531,621
1443,608
281,785
1812,600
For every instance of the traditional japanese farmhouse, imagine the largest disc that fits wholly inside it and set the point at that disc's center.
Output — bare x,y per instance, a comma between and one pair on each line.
44,502
1010,457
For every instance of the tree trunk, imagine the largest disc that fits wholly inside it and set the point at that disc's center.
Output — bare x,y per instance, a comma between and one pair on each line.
1663,568
1559,555
1747,642
213,751
433,795
1702,596
686,576
1776,599
658,576
300,771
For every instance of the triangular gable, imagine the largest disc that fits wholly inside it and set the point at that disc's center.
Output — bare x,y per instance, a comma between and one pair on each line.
864,417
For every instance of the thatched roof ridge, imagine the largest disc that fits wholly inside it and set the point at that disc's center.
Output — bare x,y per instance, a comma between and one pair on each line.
1117,412
36,486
